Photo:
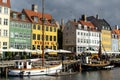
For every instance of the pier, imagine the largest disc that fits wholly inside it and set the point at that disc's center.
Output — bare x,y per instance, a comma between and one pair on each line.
4,66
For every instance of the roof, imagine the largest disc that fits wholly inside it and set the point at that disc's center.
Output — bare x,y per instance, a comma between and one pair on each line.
7,4
116,31
18,16
31,14
98,22
87,23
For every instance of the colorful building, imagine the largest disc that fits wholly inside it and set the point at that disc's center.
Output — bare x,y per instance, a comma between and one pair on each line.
4,23
116,39
81,35
20,31
104,27
50,29
106,40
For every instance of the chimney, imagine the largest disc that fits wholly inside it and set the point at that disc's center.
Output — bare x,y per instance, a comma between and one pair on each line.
75,20
97,17
34,8
62,21
116,27
62,24
84,17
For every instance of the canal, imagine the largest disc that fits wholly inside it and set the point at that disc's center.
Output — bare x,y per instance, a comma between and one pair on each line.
113,74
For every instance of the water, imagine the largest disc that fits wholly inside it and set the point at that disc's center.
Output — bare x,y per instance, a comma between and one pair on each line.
88,75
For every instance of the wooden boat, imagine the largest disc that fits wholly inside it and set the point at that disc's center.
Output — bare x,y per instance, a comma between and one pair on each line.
94,64
27,68
98,65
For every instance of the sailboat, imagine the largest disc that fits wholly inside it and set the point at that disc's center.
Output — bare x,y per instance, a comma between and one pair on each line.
29,68
95,64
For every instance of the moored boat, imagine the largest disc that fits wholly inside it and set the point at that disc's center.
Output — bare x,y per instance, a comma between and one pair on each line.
26,68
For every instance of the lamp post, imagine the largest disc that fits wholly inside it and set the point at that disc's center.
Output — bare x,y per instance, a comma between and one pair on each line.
43,19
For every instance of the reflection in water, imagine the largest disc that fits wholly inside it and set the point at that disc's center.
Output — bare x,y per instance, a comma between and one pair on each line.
88,75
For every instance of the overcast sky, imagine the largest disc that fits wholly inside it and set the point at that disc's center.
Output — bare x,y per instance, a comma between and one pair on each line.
70,9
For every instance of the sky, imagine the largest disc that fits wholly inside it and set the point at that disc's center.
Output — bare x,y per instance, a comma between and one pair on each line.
73,9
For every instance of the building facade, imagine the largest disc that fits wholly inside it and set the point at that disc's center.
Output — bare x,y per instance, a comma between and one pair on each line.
4,23
20,31
50,29
79,36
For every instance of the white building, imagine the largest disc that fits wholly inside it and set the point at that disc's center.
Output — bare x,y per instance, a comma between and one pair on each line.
4,23
79,36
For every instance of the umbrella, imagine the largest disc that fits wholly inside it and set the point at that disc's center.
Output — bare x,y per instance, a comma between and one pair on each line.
49,50
63,51
28,50
12,50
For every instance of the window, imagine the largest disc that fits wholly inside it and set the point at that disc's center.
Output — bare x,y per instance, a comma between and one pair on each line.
50,29
34,26
5,21
34,36
54,29
0,21
38,37
14,15
54,38
23,17
38,46
5,33
0,9
36,19
46,28
46,37
5,10
38,27
4,43
50,38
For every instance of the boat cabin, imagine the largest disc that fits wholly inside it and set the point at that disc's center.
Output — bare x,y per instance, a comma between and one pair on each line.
23,64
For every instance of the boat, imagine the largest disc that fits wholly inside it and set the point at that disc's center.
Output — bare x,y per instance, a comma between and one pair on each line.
95,63
28,68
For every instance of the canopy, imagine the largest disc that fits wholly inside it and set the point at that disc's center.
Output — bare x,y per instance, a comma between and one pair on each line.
63,51
12,50
28,50
49,50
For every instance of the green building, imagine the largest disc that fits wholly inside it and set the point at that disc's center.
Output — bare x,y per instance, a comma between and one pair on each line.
20,31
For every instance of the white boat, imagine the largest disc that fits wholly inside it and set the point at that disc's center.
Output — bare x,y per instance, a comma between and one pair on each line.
26,68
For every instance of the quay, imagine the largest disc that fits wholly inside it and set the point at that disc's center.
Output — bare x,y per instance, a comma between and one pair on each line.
4,66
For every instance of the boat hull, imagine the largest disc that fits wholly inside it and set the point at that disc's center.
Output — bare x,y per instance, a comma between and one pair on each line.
93,66
35,72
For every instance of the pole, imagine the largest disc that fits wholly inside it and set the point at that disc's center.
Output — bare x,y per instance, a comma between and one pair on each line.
43,19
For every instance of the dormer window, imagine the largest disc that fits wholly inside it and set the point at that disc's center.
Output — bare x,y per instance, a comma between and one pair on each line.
53,21
22,16
35,18
79,26
4,1
14,15
85,27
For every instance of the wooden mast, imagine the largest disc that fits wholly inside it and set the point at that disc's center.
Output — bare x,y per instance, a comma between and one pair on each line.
100,50
43,19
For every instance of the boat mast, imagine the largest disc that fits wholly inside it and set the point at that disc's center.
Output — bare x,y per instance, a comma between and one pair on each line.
43,19
100,50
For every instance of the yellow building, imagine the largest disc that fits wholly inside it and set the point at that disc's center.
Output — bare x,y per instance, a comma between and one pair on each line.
50,29
106,40
50,37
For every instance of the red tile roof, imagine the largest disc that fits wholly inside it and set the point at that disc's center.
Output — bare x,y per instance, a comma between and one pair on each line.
31,13
5,4
18,18
87,23
116,31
